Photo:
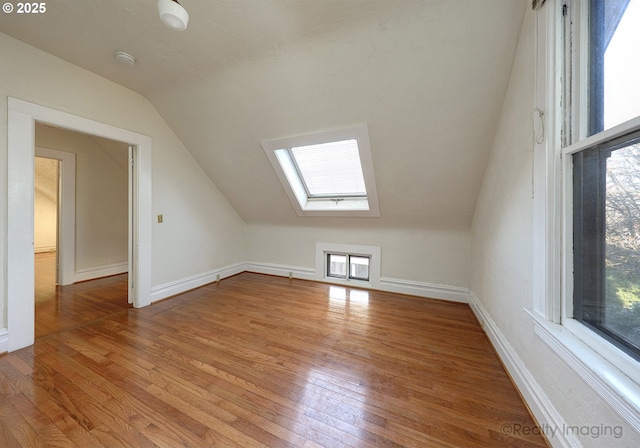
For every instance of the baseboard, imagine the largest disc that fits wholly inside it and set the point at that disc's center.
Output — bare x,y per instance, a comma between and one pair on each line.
414,288
280,270
4,341
179,286
547,417
428,290
100,271
43,249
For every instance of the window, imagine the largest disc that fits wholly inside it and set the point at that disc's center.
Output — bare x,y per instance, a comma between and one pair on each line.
586,195
606,255
345,263
348,267
329,170
327,173
601,299
613,42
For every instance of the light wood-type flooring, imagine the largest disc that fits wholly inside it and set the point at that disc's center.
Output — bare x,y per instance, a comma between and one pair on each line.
60,308
265,361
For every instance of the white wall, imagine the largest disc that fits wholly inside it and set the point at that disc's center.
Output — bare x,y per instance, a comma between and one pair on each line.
201,231
102,183
502,253
45,204
438,255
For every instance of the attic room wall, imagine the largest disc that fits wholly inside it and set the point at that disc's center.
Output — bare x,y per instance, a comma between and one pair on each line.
437,256
502,257
201,231
102,203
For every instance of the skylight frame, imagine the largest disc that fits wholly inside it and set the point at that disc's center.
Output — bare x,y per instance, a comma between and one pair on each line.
278,152
335,195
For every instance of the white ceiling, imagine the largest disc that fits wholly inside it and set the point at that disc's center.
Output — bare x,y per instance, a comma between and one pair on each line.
428,77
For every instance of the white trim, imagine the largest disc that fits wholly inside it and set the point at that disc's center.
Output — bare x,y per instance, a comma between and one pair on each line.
20,255
195,281
280,270
294,189
620,392
408,287
546,161
424,289
4,341
542,408
66,245
82,275
610,134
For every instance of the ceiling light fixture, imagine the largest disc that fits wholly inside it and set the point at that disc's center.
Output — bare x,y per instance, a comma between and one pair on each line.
173,14
125,58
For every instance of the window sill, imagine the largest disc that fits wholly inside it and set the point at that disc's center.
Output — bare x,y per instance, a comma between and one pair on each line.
619,391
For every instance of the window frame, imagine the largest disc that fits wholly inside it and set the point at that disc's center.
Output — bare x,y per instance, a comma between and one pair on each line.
592,269
278,152
316,196
605,348
372,252
347,275
607,370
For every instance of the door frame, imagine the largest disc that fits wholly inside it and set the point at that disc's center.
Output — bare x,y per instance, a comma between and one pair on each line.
66,241
22,117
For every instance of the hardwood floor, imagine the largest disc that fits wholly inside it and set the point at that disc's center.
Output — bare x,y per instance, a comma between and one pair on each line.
60,308
264,361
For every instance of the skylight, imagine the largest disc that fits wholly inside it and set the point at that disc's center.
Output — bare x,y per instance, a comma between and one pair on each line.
328,173
330,169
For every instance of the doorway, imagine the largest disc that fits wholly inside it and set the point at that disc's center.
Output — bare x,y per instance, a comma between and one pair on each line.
46,204
93,181
20,245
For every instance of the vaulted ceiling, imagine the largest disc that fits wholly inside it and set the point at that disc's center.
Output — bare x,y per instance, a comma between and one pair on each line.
427,77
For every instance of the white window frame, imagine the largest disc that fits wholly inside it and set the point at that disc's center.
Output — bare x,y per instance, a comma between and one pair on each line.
611,373
295,189
347,275
372,252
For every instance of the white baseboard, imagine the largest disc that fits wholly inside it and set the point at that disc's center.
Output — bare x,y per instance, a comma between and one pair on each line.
4,340
280,270
195,281
545,413
100,271
414,288
428,290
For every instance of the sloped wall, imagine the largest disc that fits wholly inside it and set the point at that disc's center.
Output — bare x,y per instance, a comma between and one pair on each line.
201,231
